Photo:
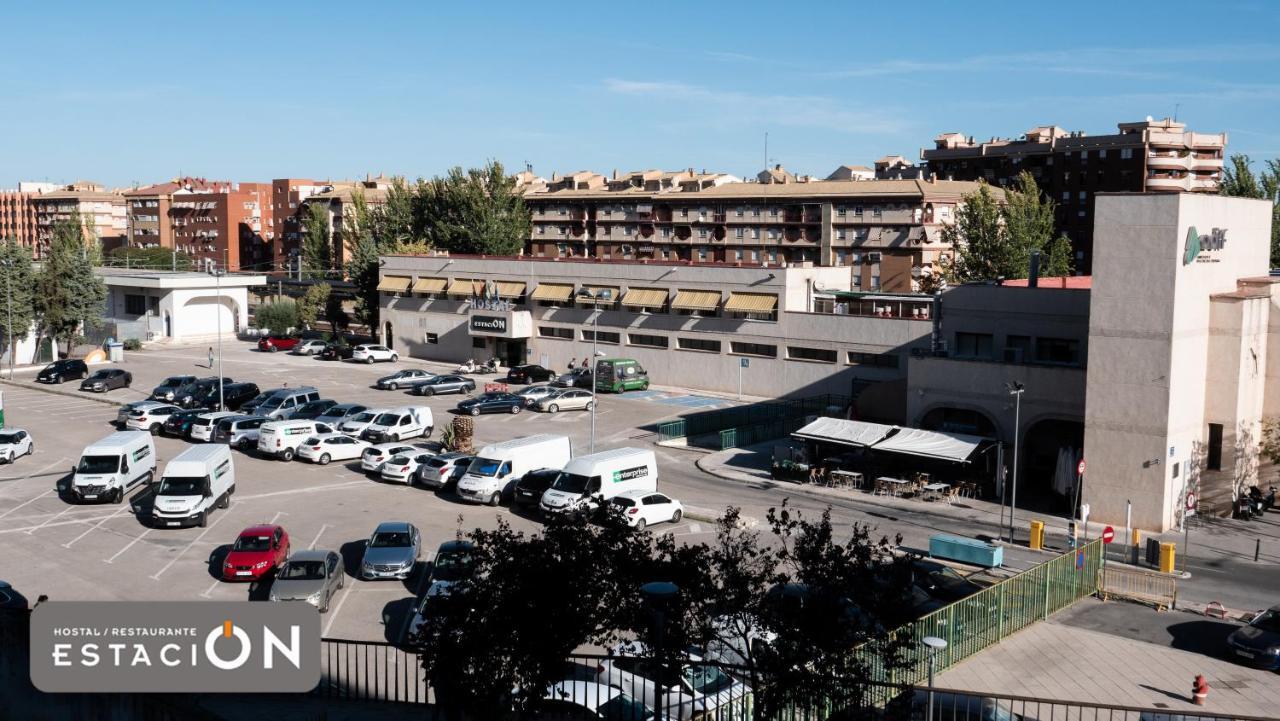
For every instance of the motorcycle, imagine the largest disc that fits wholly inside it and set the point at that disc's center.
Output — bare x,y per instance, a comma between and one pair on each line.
470,367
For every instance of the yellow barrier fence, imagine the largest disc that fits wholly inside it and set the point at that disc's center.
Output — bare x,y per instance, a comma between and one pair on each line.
1158,589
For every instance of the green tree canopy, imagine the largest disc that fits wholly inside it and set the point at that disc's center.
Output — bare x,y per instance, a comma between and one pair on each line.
993,240
277,317
313,303
68,294
474,211
149,258
17,282
1239,181
317,241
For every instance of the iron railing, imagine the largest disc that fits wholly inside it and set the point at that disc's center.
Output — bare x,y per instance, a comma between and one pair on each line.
370,671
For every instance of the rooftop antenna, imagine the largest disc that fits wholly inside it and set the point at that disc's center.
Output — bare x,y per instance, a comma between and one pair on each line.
1176,106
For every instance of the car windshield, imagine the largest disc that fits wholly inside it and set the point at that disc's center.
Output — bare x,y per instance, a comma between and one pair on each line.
390,539
453,565
484,467
180,487
706,680
225,426
272,403
623,708
386,419
623,502
313,440
9,438
1269,621
301,571
252,543
99,376
98,464
364,418
571,483
398,460
172,382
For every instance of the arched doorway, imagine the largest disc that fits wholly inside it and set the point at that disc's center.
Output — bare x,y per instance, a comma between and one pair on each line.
959,420
386,335
1047,477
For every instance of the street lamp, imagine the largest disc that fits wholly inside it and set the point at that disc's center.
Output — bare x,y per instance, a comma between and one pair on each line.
1016,390
8,295
935,645
595,295
217,274
658,596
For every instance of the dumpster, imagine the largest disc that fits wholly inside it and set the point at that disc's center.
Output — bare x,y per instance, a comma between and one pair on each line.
115,351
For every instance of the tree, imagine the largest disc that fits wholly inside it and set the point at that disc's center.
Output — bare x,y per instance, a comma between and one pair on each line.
394,221
277,317
335,313
313,302
317,241
1238,180
68,294
149,258
474,211
978,240
17,279
993,241
362,268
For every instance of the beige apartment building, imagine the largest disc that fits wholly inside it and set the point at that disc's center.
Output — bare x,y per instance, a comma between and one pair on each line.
336,198
99,209
888,231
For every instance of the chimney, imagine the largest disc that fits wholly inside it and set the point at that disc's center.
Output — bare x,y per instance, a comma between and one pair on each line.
615,173
1033,273
778,166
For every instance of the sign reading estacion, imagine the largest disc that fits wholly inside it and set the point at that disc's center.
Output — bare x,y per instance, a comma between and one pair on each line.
488,324
1197,244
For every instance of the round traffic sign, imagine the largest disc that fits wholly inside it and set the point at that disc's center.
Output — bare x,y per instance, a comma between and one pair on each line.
1191,501
1080,468
1108,534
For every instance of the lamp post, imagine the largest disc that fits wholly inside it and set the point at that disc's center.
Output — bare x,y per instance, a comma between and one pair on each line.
596,295
935,645
217,274
657,596
1016,390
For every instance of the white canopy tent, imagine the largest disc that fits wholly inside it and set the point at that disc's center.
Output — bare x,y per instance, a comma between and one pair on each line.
954,447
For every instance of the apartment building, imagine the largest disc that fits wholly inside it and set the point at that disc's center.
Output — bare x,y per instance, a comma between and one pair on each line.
147,209
285,231
224,226
101,210
1072,167
18,217
337,199
888,231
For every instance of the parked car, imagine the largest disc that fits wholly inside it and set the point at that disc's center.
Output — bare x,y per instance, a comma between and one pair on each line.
406,377
444,384
199,392
1256,643
374,456
454,562
392,551
274,343
63,370
621,374
643,508
15,443
278,403
576,378
402,467
399,424
327,447
699,690
256,552
493,402
310,410
371,353
10,599
309,576
533,394
150,418
107,379
239,431
309,347
356,424
444,470
576,699
336,351
567,399
234,395
178,425
122,415
169,387
338,414
530,373
532,485
203,426
941,582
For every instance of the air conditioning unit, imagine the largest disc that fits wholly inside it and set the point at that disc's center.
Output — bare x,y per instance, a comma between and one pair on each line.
1012,355
873,258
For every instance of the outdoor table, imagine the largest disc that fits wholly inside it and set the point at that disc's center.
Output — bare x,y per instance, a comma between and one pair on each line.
851,479
891,486
936,490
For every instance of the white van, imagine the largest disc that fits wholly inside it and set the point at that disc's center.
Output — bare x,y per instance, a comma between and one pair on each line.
588,480
493,473
399,424
111,467
199,480
280,439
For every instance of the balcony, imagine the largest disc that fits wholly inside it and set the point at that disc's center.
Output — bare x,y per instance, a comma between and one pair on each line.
1205,164
1168,183
1168,160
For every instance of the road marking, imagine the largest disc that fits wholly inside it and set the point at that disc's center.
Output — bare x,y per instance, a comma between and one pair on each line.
42,525
308,489
156,576
98,525
333,612
128,546
41,472
24,505
210,589
317,538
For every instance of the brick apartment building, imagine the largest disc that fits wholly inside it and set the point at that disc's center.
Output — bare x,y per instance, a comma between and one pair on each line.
888,230
18,217
147,209
285,232
1071,167
224,226
98,208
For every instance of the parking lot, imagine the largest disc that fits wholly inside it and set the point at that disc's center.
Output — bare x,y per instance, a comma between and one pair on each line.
103,552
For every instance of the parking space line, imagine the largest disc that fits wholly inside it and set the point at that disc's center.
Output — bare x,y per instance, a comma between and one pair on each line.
47,521
348,589
317,538
24,505
98,525
128,545
156,576
41,472
209,590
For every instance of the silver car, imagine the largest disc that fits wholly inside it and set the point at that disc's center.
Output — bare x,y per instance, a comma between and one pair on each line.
309,576
569,399
239,432
533,394
391,552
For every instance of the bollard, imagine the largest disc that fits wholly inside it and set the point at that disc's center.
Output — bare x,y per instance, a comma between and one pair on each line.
1199,690
1135,546
1257,549
1037,536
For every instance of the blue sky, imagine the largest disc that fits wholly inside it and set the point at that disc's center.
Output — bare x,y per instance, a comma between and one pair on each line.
130,92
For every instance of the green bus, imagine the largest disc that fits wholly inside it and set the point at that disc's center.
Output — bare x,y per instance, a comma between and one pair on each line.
615,375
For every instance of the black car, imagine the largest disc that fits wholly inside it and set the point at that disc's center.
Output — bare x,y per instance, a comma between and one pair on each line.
1255,644
530,374
492,403
444,384
312,410
193,394
107,379
576,378
337,351
59,371
941,582
406,377
529,489
234,395
178,424
169,387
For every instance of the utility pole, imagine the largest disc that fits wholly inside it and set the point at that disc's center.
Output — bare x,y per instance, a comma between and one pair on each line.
1015,389
8,294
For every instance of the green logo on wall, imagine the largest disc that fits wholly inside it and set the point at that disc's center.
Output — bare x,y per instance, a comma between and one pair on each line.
1196,243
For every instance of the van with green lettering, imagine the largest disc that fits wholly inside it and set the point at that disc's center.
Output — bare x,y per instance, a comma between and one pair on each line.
587,481
615,375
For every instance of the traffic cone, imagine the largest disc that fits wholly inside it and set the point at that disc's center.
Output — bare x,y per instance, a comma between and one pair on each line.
1199,690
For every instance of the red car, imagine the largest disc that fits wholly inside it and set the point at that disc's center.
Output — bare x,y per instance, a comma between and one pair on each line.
256,551
271,344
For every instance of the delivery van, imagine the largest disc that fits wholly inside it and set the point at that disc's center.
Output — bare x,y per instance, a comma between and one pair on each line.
111,467
280,439
399,424
199,480
615,375
493,473
587,481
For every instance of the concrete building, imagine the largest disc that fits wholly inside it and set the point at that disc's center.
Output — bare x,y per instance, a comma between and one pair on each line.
18,217
101,210
147,209
285,231
887,231
181,307
795,330
1072,167
223,226
337,201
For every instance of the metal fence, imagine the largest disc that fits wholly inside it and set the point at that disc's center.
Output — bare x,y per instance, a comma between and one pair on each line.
760,421
1157,589
370,671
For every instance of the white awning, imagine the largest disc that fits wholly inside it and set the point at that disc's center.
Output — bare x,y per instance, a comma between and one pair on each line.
955,447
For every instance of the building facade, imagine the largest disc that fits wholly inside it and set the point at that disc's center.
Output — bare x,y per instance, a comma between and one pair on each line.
337,200
102,213
178,306
148,209
18,217
889,232
223,228
285,232
1071,167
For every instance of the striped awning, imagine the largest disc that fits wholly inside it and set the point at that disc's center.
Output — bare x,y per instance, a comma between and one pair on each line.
598,291
696,300
509,288
552,292
751,302
645,298
464,286
394,283
429,285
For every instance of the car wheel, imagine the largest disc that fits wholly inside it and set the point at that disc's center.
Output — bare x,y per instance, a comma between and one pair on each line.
155,429
515,410
31,449
225,501
475,410
204,519
640,524
428,392
590,405
393,386
553,408
10,458
675,517
83,375
395,437
495,499
644,386
325,607
244,445
287,455
272,349
369,360
118,496
324,459
394,357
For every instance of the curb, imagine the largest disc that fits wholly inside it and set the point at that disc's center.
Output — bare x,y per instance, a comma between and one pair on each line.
706,515
56,392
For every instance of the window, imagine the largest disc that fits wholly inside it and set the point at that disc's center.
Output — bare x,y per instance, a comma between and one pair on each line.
840,257
628,230
755,256
540,230
703,232
684,212
698,344
840,234
1102,154
666,232
647,341
739,233
840,211
857,211
974,345
875,360
702,252
602,337
1083,195
737,254
755,349
562,249
755,212
877,213
819,355
477,342
1214,460
875,281
1126,153
1058,350
561,230
546,331
1066,196
135,304
433,338
773,212
755,233
737,212
1017,349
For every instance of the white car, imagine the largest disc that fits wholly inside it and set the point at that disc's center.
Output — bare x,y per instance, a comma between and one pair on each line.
642,508
703,690
308,347
373,457
327,447
15,442
203,426
150,418
122,415
401,467
371,353
355,425
589,699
